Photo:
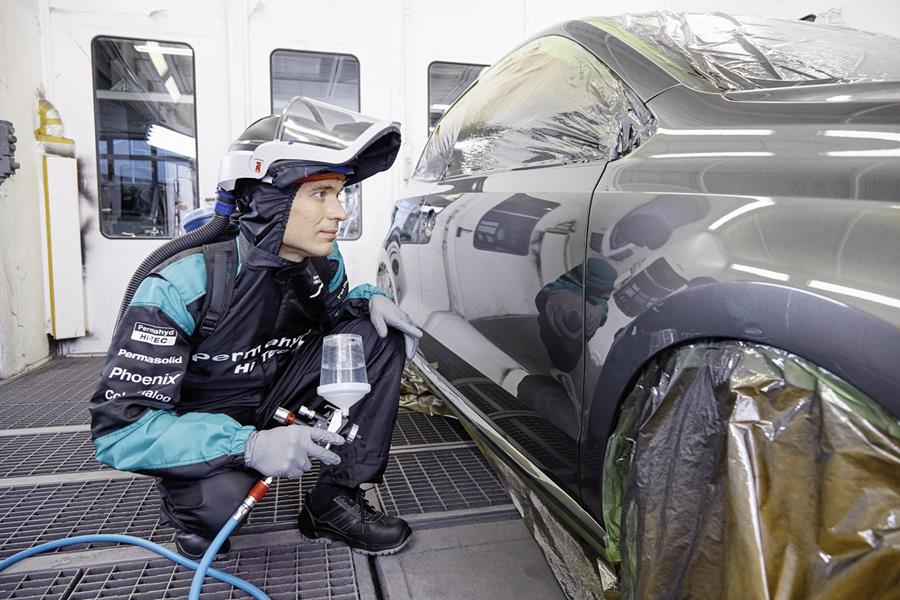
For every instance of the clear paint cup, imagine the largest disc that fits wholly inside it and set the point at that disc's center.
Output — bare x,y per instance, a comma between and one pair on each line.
343,380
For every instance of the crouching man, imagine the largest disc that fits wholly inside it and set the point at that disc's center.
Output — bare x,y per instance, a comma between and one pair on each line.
217,338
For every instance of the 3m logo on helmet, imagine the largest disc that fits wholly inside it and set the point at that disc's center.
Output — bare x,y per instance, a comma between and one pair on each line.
259,166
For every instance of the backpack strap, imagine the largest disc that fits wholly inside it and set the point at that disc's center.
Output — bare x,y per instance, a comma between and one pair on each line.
221,260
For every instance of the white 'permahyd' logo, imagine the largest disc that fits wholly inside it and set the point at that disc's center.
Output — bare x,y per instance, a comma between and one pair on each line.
150,334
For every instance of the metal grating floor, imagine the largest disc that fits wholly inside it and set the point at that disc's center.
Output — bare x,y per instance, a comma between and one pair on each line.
302,571
60,370
55,394
35,413
424,482
43,454
415,428
36,514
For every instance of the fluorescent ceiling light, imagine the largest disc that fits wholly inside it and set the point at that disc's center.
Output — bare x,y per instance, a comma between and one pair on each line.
152,47
173,89
314,133
865,153
760,203
863,135
440,106
166,139
762,272
849,291
748,132
711,154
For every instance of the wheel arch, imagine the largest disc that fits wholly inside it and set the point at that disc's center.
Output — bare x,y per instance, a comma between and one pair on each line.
857,346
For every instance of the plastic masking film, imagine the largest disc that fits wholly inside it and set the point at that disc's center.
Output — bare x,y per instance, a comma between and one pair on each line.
744,53
415,394
549,102
740,471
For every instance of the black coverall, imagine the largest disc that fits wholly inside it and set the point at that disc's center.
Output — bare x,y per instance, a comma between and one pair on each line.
180,406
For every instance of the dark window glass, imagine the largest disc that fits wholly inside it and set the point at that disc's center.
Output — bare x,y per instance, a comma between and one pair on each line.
446,82
550,102
146,141
332,78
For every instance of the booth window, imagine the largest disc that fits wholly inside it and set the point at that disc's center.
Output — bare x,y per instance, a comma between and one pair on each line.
146,135
446,82
331,78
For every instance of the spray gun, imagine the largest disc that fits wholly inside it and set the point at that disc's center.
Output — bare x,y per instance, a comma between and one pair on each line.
342,383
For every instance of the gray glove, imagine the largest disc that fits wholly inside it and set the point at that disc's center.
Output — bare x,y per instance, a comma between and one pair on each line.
384,313
286,451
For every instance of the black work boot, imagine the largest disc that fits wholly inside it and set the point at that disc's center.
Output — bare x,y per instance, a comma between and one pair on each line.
350,518
193,545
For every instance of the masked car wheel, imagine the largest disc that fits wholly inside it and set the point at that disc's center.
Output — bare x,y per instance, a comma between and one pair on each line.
741,471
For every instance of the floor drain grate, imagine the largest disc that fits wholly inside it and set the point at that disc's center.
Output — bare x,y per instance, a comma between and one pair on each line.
32,515
309,571
415,428
34,410
43,454
437,481
65,384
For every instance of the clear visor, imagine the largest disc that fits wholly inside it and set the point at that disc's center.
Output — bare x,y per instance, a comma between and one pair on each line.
312,122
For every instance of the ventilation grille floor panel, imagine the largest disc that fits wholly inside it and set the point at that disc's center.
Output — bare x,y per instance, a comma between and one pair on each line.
425,482
55,394
414,428
308,571
44,454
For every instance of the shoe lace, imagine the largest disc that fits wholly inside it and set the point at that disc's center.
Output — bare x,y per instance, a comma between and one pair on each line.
369,512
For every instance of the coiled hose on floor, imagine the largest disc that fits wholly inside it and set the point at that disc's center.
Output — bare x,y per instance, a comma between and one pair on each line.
225,206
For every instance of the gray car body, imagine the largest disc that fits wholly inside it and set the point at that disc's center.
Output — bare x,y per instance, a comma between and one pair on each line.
769,216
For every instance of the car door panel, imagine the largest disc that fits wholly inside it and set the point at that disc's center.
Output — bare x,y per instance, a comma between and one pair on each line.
497,251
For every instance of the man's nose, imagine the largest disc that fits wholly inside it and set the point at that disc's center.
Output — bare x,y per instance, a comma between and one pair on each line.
337,211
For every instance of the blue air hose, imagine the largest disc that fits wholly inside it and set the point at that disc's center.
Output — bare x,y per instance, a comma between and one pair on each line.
209,556
165,552
256,493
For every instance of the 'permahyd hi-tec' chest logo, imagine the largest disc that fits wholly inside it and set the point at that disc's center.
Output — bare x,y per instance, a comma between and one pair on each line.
151,334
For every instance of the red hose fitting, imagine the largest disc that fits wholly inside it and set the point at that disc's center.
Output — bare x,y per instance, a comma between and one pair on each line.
259,489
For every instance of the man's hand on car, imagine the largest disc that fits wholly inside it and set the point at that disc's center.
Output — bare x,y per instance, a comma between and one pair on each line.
384,313
287,451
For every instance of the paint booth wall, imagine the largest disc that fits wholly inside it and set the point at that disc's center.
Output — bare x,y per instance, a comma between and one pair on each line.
22,339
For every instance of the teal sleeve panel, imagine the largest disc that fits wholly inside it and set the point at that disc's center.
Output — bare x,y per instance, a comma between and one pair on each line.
160,439
559,284
188,275
173,289
365,292
338,277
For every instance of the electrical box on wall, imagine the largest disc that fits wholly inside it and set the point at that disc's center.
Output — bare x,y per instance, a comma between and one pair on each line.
8,164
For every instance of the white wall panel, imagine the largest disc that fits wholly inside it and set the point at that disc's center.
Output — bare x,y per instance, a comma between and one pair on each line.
61,235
